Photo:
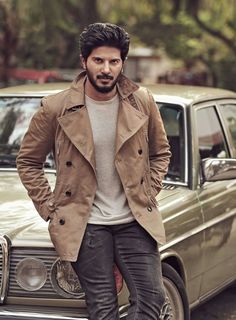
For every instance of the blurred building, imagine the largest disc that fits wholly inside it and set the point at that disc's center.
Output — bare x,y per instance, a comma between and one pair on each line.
145,65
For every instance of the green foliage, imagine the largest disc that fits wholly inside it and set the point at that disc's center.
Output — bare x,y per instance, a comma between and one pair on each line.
44,33
193,31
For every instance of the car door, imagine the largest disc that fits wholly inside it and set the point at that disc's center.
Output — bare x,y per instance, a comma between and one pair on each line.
218,202
178,202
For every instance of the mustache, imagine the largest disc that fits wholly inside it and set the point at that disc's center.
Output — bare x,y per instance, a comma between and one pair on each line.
104,76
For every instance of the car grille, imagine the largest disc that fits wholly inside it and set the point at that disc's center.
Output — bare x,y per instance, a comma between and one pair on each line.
3,268
48,256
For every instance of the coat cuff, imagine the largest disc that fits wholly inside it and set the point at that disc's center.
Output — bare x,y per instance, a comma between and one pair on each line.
47,209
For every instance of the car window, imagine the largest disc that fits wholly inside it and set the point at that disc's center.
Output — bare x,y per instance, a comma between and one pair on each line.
210,134
229,115
15,115
173,118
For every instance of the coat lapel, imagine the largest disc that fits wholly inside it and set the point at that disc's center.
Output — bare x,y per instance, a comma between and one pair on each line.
129,122
77,127
76,124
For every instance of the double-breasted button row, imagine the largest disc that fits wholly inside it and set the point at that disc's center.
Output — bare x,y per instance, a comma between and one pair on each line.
140,151
68,193
68,163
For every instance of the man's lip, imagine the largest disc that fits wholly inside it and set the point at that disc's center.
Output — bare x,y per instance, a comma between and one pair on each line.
102,77
105,80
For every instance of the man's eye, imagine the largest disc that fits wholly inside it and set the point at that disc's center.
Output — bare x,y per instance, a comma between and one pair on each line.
98,60
115,61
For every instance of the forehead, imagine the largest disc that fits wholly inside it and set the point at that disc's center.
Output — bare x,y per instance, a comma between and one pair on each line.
106,52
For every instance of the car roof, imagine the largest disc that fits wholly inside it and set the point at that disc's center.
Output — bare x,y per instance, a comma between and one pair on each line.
178,94
185,94
35,89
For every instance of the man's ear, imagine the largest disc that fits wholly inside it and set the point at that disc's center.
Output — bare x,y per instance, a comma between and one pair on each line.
83,62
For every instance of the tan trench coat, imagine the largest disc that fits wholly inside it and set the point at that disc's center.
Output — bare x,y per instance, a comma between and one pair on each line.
62,125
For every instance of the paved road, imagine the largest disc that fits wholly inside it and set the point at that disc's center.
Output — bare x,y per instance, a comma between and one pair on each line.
222,307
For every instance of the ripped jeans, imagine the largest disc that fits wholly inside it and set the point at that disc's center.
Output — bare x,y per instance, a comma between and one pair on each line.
136,254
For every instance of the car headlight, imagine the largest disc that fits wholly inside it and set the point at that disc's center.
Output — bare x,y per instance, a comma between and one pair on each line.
65,281
31,274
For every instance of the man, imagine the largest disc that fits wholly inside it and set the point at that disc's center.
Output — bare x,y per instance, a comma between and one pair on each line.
111,155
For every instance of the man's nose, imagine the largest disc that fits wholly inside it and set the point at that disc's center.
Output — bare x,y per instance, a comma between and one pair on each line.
106,67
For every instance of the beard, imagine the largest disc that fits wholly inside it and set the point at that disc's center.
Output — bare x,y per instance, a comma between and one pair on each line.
102,88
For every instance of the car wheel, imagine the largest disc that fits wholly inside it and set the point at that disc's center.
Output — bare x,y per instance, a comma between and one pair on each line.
176,306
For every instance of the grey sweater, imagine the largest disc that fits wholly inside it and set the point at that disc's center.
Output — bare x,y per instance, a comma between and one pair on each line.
110,204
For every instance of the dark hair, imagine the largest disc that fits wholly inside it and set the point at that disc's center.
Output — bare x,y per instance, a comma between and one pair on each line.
104,34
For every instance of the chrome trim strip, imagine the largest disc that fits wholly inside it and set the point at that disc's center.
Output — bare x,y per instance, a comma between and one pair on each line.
215,291
8,170
197,230
123,310
28,315
211,293
182,103
186,144
5,268
32,315
175,183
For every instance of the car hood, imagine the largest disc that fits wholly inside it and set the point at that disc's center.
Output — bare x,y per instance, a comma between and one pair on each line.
20,221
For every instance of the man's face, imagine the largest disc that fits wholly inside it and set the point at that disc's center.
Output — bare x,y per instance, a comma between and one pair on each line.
103,67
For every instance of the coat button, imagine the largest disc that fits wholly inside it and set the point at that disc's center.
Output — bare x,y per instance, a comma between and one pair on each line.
68,193
140,151
68,163
51,204
149,209
62,222
141,181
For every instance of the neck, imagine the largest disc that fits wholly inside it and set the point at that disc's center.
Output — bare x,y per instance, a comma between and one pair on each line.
91,92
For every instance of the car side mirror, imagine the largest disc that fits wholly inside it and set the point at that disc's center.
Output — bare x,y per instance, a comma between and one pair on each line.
215,169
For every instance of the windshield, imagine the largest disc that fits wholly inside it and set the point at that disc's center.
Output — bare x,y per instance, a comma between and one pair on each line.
173,118
15,115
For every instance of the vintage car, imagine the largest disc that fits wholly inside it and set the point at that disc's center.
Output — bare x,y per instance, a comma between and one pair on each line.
198,205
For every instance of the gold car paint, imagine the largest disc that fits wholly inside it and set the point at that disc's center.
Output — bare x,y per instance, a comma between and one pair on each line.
186,227
182,215
218,228
220,234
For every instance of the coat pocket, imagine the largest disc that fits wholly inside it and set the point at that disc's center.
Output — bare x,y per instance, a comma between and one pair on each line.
149,191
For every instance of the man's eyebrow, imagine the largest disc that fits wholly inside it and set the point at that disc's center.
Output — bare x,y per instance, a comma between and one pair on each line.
109,58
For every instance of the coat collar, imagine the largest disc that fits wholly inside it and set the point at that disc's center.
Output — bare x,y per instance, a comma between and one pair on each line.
76,93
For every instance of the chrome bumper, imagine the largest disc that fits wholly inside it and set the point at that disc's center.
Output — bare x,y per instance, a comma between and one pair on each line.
18,312
13,312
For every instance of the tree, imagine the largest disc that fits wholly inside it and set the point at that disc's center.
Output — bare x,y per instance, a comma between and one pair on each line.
50,30
191,31
9,30
44,34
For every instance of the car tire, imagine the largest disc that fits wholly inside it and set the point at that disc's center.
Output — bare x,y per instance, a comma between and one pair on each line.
176,306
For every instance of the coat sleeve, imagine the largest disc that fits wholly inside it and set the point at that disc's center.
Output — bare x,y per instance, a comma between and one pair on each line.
36,145
159,149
